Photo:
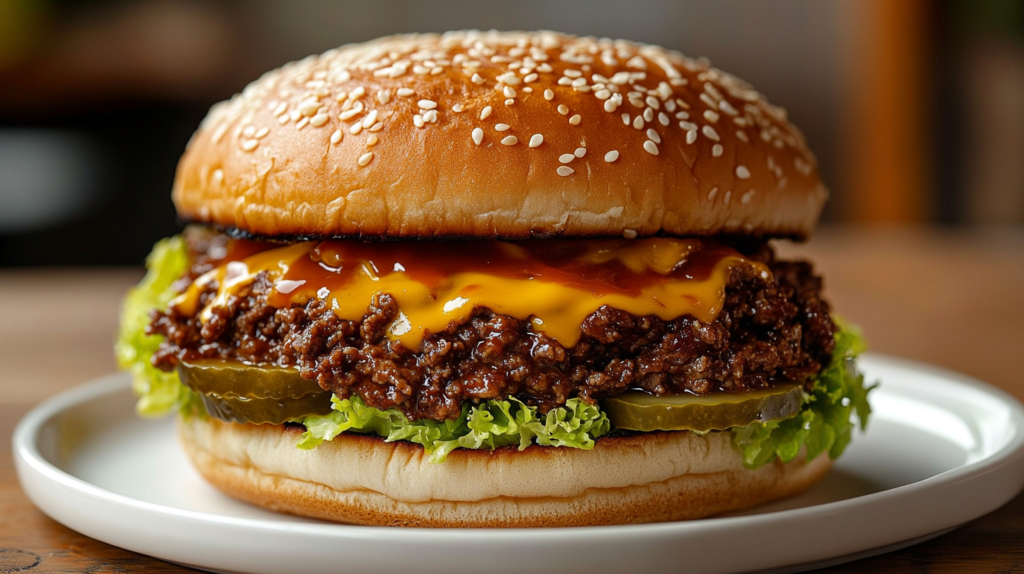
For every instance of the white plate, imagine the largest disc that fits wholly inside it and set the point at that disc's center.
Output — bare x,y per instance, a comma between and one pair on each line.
942,449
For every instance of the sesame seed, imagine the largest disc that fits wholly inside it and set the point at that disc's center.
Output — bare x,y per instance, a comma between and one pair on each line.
509,92
726,107
611,156
528,90
710,133
486,112
509,79
683,116
742,135
309,107
747,197
651,147
365,158
603,94
281,108
477,79
637,102
670,106
728,196
427,104
663,119
249,145
710,116
580,152
708,101
572,73
712,193
629,233
563,81
610,106
302,123
536,140
458,108
318,120
372,140
357,93
530,78
549,94
405,92
563,109
336,136
261,133
417,121
575,120
430,116
638,122
344,116
566,157
478,135
653,102
564,170
502,127
688,126
716,150
649,115
509,140
742,172
691,136
370,119
356,128
625,118
653,135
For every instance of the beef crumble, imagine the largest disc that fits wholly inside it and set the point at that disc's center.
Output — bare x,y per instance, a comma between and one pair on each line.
768,331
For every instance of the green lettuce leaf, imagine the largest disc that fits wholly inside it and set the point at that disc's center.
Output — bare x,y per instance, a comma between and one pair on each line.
159,392
489,425
825,423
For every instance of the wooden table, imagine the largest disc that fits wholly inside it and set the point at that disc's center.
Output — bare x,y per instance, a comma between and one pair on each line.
951,298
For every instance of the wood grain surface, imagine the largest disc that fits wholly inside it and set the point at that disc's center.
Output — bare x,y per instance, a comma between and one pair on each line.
954,299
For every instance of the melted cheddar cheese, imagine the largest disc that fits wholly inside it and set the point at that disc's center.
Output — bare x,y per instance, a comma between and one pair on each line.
554,285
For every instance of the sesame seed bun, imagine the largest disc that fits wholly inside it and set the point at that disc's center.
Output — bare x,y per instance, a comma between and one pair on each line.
359,479
511,135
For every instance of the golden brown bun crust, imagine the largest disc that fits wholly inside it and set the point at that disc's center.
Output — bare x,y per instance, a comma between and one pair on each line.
357,479
285,157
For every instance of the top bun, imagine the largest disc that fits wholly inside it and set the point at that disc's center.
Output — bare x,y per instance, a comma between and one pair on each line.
499,134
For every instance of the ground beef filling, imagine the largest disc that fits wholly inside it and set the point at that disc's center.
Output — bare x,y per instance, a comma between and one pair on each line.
768,331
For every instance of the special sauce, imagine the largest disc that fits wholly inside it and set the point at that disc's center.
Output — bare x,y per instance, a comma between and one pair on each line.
555,284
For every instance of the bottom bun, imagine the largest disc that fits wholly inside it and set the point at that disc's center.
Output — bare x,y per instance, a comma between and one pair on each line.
359,479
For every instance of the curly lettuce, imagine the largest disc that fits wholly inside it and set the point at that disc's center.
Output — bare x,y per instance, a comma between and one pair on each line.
825,423
159,392
489,425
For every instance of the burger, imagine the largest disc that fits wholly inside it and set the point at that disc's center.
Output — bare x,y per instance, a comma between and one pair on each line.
489,279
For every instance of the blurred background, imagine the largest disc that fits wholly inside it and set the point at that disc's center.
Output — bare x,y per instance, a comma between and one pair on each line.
915,109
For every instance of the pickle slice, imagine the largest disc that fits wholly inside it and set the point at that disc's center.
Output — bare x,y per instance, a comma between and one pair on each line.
266,411
235,379
256,394
639,411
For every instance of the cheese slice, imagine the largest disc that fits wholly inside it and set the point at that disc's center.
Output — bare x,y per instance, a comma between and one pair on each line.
552,284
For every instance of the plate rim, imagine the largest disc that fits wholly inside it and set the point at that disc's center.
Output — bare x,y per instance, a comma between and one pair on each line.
28,456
